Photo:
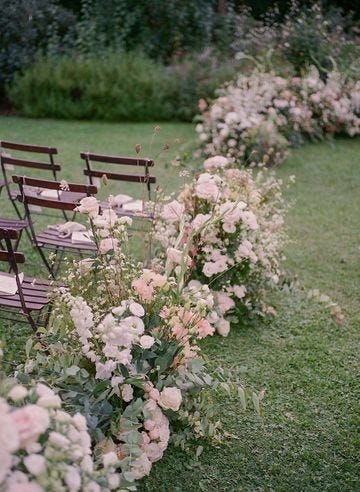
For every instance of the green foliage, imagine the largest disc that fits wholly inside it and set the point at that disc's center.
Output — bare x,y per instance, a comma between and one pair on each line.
118,86
29,26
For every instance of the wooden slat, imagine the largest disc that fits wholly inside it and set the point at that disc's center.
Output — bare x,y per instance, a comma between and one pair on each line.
32,164
55,185
6,232
131,178
5,256
17,225
14,301
39,149
113,159
46,203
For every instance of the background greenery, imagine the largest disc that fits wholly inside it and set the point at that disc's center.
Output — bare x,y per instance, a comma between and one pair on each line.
308,438
140,61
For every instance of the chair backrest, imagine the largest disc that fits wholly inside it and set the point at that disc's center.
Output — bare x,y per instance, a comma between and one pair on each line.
61,203
9,255
142,163
9,162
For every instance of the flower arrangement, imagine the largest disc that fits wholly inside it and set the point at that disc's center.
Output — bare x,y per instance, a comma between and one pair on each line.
43,447
259,116
227,223
123,348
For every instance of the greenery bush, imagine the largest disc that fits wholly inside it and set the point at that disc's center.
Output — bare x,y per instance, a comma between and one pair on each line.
30,26
117,87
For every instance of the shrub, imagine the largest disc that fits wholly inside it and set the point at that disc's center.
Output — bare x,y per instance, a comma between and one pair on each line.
126,87
122,86
29,26
259,116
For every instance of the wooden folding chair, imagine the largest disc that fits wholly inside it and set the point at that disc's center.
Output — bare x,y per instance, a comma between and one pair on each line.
31,299
143,178
8,163
50,238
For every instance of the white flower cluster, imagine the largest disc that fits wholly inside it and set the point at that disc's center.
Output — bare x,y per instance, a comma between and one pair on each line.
44,448
233,224
259,116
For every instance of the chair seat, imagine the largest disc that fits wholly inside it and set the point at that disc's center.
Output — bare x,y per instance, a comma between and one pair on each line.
15,224
52,238
35,295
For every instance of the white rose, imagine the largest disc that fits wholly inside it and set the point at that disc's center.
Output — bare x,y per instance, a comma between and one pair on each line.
88,205
80,422
110,459
72,479
52,401
170,399
146,341
127,392
108,244
223,327
18,392
136,309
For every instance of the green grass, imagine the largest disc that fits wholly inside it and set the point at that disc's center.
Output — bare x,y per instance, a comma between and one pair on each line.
308,439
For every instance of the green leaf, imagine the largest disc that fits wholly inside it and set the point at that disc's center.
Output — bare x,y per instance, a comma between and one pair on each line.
199,451
28,346
242,397
72,371
256,403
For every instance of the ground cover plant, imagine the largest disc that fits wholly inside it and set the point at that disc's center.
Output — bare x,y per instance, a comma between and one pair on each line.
307,364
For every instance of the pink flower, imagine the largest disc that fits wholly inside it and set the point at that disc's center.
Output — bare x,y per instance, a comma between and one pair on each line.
216,162
31,421
200,220
204,328
206,187
144,290
224,302
173,211
239,291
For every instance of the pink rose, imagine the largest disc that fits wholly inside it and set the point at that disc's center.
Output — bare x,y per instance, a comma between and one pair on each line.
31,421
144,290
204,328
173,211
206,187
224,302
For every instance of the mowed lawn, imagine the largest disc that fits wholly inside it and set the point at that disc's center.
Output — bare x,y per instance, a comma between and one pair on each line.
308,439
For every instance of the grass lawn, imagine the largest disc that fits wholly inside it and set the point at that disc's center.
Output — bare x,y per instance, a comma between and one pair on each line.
309,437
